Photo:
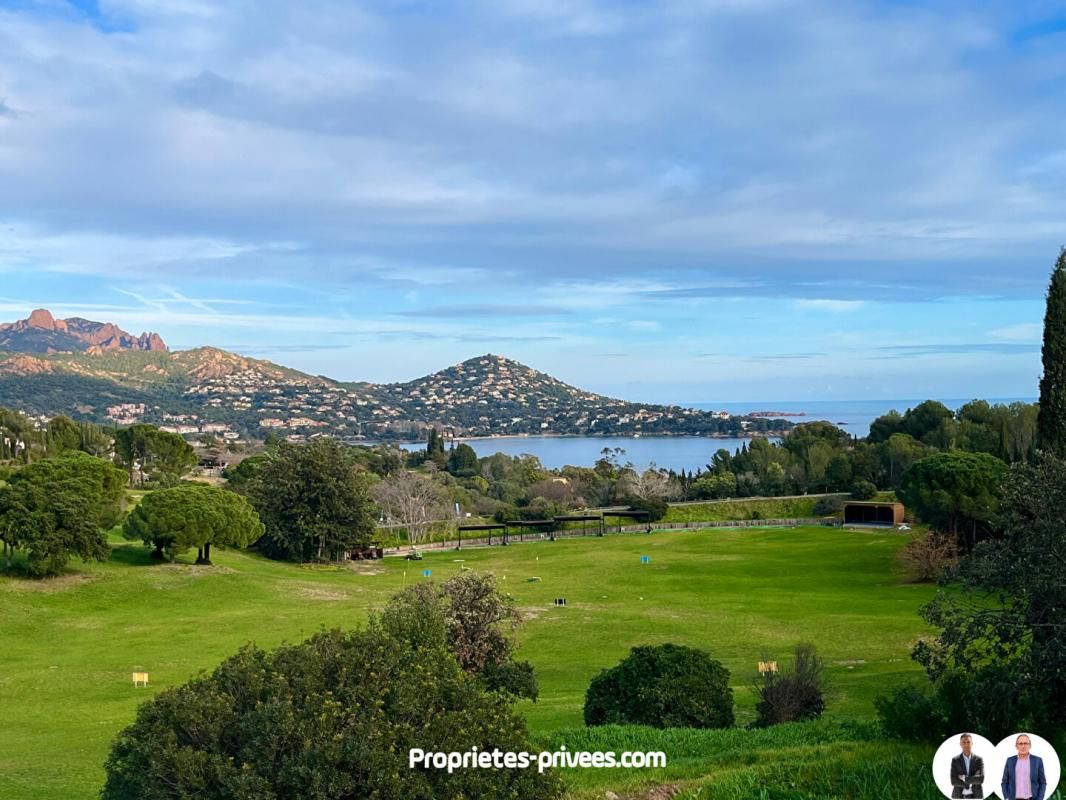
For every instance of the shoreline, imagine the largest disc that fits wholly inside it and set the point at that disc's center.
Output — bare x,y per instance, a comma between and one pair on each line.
498,436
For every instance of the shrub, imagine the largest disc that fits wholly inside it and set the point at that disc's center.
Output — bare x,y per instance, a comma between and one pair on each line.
989,698
664,686
863,490
828,506
912,714
655,506
794,696
477,625
929,555
332,717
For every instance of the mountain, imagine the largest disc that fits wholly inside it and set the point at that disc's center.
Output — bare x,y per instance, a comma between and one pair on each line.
43,333
212,391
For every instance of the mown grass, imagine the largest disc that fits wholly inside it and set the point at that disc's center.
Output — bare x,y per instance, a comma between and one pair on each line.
68,646
799,761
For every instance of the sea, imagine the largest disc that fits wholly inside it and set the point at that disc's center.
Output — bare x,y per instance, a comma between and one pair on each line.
692,453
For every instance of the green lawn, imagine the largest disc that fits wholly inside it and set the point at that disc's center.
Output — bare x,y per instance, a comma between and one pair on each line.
68,646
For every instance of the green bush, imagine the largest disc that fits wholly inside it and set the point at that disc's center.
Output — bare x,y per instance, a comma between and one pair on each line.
863,490
793,696
655,506
332,717
912,714
827,506
665,686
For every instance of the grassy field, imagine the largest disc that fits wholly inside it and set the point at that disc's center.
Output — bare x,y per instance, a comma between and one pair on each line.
67,646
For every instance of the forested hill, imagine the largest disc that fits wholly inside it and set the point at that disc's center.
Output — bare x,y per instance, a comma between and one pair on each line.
208,390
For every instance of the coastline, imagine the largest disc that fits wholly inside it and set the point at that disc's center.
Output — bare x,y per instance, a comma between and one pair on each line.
494,436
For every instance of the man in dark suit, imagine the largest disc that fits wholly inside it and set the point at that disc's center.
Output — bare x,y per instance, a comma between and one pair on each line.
1023,776
967,771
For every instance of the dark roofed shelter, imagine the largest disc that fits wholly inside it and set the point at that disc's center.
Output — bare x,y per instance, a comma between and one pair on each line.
522,524
869,512
489,528
637,515
584,519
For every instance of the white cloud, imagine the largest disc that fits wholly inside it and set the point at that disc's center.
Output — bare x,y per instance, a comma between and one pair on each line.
832,306
1022,332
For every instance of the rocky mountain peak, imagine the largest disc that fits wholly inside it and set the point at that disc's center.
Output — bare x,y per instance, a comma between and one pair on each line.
41,332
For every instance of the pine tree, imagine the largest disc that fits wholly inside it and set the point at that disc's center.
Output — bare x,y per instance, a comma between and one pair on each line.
1051,420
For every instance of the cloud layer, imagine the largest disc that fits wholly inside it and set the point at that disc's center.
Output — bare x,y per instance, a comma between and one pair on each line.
612,176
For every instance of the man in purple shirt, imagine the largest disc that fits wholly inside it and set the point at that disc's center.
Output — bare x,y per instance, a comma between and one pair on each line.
1023,775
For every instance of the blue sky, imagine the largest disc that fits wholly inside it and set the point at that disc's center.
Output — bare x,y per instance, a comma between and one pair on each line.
690,200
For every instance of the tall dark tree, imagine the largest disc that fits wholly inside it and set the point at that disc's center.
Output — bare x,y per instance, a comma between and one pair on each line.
1051,419
314,500
999,661
59,507
463,461
146,451
954,491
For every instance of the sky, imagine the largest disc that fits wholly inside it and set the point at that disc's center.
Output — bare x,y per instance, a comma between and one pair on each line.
681,201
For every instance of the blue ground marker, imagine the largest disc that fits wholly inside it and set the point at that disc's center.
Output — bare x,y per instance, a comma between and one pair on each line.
426,573
645,560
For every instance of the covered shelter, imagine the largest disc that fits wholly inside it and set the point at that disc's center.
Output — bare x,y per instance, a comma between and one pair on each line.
634,514
871,512
488,528
584,519
542,525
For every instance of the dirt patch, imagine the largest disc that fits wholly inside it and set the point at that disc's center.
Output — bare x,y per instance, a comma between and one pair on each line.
530,613
63,583
365,568
319,593
194,570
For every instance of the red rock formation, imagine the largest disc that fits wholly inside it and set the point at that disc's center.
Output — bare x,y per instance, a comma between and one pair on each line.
42,333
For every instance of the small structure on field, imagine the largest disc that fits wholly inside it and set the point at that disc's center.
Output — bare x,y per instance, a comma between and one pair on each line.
871,512
140,678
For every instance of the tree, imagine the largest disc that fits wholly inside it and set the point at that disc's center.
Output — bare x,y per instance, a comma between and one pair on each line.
900,451
999,660
819,456
463,462
1051,418
863,490
954,491
478,623
173,520
714,485
147,452
435,448
413,501
884,426
651,484
838,473
666,686
333,717
63,434
243,475
314,500
59,507
930,555
926,420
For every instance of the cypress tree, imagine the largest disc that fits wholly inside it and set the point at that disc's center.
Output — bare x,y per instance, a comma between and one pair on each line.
1051,418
